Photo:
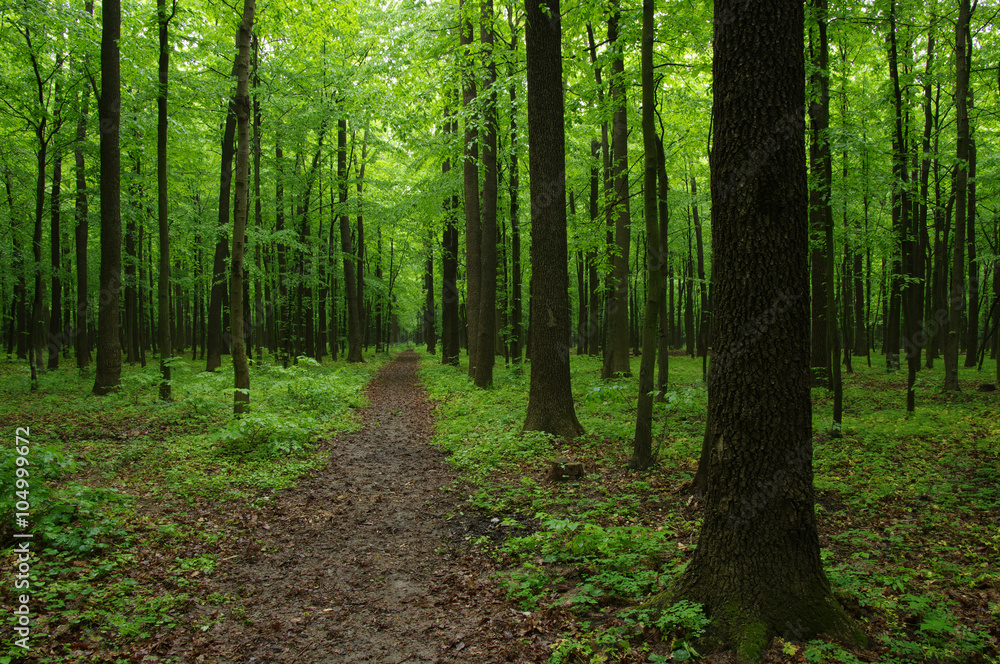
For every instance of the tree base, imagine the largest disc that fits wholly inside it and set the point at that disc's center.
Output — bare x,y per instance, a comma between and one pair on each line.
747,627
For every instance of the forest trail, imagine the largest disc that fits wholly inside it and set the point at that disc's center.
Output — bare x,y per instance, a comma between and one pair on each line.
357,563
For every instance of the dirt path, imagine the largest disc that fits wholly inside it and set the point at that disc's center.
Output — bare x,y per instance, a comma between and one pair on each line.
357,563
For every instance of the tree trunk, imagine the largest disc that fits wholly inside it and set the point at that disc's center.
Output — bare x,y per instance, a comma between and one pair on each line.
486,347
350,275
261,327
429,315
450,346
593,321
757,567
82,213
642,445
473,229
957,294
55,255
214,342
616,352
241,395
819,154
702,285
550,398
517,333
109,357
972,334
663,345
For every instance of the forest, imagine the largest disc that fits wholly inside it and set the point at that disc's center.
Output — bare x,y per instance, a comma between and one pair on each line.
476,331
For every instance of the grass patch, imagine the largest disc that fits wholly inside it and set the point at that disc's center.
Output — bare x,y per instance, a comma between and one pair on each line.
127,490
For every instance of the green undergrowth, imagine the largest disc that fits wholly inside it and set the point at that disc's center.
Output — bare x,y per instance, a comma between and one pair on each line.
907,508
126,490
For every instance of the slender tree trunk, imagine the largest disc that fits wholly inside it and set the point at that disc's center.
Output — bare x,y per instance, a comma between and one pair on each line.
663,345
82,235
283,309
55,255
261,326
819,155
642,446
450,345
616,355
473,228
430,333
972,334
550,397
702,284
957,294
241,396
930,327
760,500
517,333
486,325
214,342
362,311
350,274
109,357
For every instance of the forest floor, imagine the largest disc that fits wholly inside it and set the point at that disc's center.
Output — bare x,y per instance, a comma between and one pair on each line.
390,512
358,562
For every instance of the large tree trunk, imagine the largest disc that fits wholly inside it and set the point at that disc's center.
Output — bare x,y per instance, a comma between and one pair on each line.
550,399
616,351
241,396
757,567
957,294
473,229
642,446
109,354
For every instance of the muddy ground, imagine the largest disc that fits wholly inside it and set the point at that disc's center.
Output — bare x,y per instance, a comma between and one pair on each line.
364,560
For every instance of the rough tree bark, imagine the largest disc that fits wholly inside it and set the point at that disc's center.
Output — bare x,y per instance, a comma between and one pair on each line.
616,350
473,229
213,342
757,567
163,285
957,294
241,396
450,348
486,346
109,352
350,274
550,399
642,445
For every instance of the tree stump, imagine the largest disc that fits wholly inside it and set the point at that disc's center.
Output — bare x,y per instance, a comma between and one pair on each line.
564,470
